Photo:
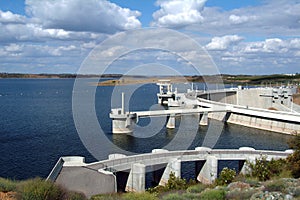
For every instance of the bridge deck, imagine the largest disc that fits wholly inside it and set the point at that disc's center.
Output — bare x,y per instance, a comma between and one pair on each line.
176,112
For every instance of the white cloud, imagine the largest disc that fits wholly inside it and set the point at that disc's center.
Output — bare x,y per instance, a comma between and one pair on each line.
222,43
235,19
9,17
178,13
280,17
77,15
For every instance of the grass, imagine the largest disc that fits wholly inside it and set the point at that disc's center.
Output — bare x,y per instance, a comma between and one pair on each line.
7,185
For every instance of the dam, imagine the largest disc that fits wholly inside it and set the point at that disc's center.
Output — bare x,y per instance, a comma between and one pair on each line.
120,172
270,109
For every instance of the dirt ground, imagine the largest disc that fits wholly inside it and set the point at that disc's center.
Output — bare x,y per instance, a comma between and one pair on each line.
7,195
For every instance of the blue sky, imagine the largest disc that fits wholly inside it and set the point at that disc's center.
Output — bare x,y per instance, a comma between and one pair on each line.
242,37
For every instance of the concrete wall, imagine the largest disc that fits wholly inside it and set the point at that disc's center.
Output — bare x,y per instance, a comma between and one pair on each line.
87,181
259,98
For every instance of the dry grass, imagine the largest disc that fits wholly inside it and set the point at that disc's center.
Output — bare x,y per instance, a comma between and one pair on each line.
8,195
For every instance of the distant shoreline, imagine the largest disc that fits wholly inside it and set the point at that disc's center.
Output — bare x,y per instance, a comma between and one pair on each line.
119,79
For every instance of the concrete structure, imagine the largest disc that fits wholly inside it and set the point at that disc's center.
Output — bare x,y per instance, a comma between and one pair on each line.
276,121
107,176
244,114
165,92
124,123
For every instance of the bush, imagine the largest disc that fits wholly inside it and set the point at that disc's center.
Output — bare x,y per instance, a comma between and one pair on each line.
213,194
294,158
276,166
196,188
139,196
173,196
74,196
226,176
240,194
39,189
191,196
259,168
7,185
175,183
275,185
113,196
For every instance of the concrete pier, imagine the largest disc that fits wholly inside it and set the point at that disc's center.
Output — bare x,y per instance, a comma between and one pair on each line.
122,123
171,121
173,166
136,178
204,119
209,171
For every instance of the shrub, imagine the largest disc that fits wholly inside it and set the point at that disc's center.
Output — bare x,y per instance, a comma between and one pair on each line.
173,196
240,194
226,176
191,196
74,196
294,158
276,166
213,194
196,188
175,183
275,185
39,189
113,196
139,196
259,168
7,185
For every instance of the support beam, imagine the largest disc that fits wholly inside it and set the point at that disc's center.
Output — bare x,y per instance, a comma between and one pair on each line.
204,119
136,178
209,171
173,166
171,121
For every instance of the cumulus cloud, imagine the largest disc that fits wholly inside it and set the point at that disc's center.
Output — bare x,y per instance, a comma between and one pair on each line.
8,17
236,19
271,45
222,43
269,18
178,13
77,15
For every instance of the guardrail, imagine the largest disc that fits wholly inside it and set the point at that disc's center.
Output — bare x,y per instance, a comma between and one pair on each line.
56,170
164,157
281,115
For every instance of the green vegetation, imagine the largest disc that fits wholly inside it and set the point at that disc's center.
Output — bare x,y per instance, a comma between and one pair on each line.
37,189
216,194
264,170
7,185
226,176
294,159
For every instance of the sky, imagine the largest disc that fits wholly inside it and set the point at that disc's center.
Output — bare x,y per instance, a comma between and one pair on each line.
241,37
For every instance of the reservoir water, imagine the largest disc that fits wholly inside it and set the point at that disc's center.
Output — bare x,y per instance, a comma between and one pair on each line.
37,127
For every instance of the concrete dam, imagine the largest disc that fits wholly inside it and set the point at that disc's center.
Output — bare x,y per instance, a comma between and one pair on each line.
268,109
121,172
263,108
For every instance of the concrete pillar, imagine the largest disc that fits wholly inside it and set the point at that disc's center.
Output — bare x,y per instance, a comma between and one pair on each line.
204,119
122,123
209,171
172,166
171,121
136,178
246,169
